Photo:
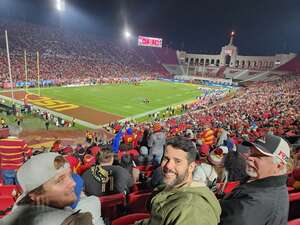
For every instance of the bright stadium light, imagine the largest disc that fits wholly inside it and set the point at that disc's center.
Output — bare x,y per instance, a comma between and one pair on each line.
127,34
60,5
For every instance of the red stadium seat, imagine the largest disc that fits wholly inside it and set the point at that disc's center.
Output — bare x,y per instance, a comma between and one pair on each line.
290,181
145,168
229,186
294,199
294,222
133,153
110,204
290,189
6,203
296,174
6,190
82,168
130,219
136,201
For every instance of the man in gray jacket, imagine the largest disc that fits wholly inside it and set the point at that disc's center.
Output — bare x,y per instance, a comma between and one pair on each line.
157,142
263,200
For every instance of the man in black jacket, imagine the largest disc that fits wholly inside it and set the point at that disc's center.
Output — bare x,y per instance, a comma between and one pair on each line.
98,174
263,200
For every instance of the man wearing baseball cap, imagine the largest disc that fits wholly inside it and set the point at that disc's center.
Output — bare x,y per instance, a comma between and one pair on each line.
48,189
263,200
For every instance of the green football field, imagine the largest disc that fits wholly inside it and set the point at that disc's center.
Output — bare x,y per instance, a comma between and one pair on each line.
125,100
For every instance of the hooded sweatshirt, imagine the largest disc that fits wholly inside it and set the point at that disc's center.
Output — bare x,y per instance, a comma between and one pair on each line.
194,204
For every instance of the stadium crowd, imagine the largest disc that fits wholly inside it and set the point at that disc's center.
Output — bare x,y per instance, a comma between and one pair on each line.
64,56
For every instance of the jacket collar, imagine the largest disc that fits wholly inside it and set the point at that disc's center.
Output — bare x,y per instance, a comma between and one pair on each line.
273,181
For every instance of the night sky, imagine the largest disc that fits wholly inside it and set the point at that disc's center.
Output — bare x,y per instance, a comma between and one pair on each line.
263,27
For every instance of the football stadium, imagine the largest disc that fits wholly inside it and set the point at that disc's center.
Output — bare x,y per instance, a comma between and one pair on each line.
161,123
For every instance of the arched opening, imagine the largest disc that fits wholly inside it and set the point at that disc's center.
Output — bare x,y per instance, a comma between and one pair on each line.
243,64
192,62
237,63
206,62
227,60
201,62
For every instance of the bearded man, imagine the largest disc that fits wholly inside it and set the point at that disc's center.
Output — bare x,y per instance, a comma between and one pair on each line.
180,200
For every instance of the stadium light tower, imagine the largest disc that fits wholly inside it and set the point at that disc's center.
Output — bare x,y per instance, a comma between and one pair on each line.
60,5
232,34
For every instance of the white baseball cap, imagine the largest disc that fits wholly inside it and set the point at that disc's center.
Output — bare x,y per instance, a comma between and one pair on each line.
37,171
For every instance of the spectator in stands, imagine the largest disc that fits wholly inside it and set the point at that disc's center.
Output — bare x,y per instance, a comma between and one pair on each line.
221,137
127,163
13,153
143,142
235,164
3,123
129,138
180,200
217,157
207,136
144,158
56,146
79,152
264,199
156,143
98,175
47,190
47,123
206,174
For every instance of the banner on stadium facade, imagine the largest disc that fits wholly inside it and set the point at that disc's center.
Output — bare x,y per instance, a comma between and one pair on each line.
150,41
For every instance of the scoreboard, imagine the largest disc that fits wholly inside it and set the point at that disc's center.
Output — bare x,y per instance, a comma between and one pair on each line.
150,41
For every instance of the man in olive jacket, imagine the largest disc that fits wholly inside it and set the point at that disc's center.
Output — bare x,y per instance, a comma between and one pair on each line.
180,200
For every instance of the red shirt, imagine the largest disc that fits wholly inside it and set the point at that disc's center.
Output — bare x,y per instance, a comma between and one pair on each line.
13,153
128,138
